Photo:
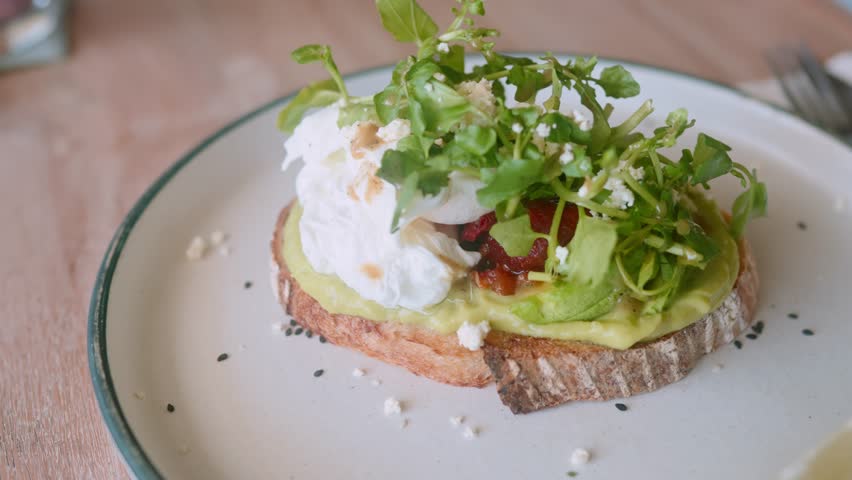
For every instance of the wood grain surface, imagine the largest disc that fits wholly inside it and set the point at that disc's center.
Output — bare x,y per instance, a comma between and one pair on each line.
81,139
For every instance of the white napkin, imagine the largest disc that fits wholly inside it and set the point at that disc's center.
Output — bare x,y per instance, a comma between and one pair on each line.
770,90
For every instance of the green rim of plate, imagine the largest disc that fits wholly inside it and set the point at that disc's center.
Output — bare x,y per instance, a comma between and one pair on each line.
134,456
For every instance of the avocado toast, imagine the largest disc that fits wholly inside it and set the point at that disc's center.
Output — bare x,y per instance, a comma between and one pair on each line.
454,226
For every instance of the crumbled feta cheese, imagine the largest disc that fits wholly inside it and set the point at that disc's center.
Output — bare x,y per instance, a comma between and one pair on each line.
358,372
396,130
443,47
580,456
217,238
542,130
585,125
517,128
620,197
197,248
567,155
472,336
470,433
392,407
139,395
428,87
561,254
439,142
279,327
480,96
638,173
376,382
583,191
456,421
439,76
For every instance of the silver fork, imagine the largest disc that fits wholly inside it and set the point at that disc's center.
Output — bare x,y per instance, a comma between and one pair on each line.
810,90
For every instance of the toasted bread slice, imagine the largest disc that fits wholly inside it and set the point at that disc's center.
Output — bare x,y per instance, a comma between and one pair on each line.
531,373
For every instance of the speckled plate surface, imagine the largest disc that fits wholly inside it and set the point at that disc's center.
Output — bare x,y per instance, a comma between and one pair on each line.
158,323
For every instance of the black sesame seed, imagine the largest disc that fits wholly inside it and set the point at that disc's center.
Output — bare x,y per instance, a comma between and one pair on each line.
621,407
298,331
322,339
288,332
751,336
170,408
807,332
738,344
758,327
793,315
309,333
319,372
292,323
222,357
247,285
802,225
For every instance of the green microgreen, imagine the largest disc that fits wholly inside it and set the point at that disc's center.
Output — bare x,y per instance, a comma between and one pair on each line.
512,122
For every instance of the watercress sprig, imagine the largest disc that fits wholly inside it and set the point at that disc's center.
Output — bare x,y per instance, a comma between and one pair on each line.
640,232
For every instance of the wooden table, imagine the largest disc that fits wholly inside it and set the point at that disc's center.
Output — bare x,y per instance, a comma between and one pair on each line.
81,139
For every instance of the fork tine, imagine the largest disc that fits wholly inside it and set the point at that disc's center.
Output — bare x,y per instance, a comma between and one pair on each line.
801,89
780,61
819,76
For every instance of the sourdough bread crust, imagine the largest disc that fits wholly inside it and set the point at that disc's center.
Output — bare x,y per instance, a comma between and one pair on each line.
531,373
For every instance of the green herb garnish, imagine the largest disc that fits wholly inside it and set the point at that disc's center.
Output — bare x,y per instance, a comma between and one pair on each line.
639,232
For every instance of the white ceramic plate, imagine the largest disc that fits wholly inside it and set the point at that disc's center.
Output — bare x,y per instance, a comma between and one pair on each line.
158,323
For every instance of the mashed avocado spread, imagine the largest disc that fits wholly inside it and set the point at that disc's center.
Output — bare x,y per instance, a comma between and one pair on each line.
621,327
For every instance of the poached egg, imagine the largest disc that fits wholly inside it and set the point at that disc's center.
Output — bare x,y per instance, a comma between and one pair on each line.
345,226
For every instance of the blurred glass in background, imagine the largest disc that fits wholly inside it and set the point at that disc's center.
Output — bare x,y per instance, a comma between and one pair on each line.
31,32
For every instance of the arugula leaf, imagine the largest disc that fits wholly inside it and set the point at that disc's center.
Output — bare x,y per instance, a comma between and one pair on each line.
476,140
310,53
453,60
649,268
528,83
583,67
397,165
618,82
388,104
591,251
315,95
405,196
568,302
406,20
516,236
355,112
580,167
710,159
749,204
442,108
510,178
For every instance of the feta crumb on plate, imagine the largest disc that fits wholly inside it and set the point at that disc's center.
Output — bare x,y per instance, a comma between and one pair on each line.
470,433
196,249
580,456
392,406
358,372
217,238
376,382
472,336
456,421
